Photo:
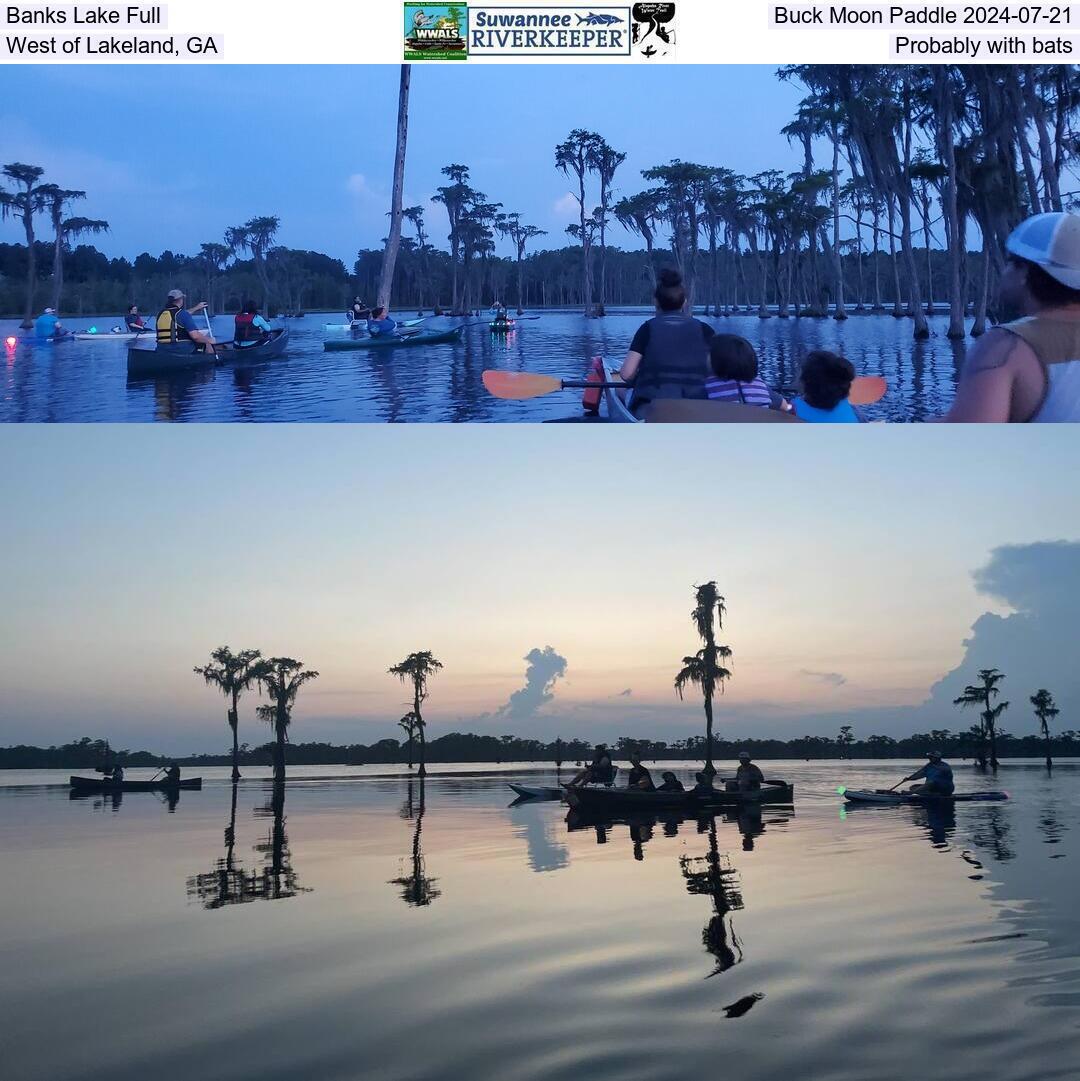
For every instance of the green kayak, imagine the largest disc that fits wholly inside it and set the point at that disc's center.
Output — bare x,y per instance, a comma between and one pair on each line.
335,345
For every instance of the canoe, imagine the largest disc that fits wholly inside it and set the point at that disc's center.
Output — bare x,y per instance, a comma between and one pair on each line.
113,335
528,792
103,784
617,401
598,799
392,342
881,796
163,359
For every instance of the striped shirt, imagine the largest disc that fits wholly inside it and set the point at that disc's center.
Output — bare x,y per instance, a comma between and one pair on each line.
731,390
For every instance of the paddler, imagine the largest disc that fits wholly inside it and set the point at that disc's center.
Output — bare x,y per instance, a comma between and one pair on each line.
937,774
175,323
669,354
358,313
172,774
1029,369
748,778
249,327
47,325
380,325
134,321
117,775
638,776
598,771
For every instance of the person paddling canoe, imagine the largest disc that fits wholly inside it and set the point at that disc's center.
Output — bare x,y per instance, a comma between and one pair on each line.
748,777
250,328
175,323
1029,369
937,775
669,355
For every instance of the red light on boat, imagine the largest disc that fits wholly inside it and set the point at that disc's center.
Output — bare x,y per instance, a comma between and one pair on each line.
10,342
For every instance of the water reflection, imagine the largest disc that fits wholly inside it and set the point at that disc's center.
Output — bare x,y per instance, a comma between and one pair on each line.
228,883
713,876
417,888
111,801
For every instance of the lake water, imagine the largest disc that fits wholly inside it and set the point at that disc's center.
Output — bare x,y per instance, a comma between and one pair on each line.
361,927
77,381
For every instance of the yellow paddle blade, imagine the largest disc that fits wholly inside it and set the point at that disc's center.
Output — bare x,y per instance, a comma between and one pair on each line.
867,389
520,385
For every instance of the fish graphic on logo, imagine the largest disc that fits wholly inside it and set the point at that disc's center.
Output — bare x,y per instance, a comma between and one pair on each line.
598,20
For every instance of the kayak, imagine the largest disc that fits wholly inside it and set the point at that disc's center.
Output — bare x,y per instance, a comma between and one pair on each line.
883,796
619,402
55,339
392,342
102,784
363,325
112,336
163,359
596,799
527,792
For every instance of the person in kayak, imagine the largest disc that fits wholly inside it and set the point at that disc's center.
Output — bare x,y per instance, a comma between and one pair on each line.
1029,369
671,782
598,771
48,325
250,327
174,322
735,375
826,380
638,776
172,774
380,325
133,320
669,354
748,778
358,313
937,775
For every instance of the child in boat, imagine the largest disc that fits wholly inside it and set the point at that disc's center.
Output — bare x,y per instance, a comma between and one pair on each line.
735,374
704,786
671,782
380,324
826,383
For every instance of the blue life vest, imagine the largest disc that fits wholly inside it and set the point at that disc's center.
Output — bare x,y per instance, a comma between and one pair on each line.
841,413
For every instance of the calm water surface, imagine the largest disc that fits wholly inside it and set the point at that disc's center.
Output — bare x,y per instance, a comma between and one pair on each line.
77,381
362,927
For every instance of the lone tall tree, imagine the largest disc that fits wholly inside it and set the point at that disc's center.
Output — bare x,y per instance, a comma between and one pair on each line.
576,157
417,669
705,669
232,674
257,236
605,160
1046,710
983,695
282,678
31,198
393,241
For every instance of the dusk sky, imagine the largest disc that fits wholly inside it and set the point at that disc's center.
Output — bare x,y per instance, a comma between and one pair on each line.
852,589
172,156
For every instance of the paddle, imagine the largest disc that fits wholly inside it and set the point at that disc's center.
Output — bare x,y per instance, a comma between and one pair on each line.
519,386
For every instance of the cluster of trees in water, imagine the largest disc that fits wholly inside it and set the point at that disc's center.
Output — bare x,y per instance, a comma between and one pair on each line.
911,149
919,160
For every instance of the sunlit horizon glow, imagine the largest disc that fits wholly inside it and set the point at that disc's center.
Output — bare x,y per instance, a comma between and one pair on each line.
847,568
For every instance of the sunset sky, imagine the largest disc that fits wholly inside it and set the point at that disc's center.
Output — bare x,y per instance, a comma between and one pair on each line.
130,554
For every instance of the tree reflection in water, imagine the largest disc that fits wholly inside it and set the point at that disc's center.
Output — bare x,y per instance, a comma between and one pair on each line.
229,884
712,875
417,889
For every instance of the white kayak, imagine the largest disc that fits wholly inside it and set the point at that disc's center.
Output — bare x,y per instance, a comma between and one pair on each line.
111,335
855,795
361,325
528,792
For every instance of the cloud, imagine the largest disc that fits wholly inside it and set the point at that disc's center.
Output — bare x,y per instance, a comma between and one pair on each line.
565,205
833,679
545,668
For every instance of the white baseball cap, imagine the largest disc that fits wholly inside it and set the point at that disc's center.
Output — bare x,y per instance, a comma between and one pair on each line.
1050,241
